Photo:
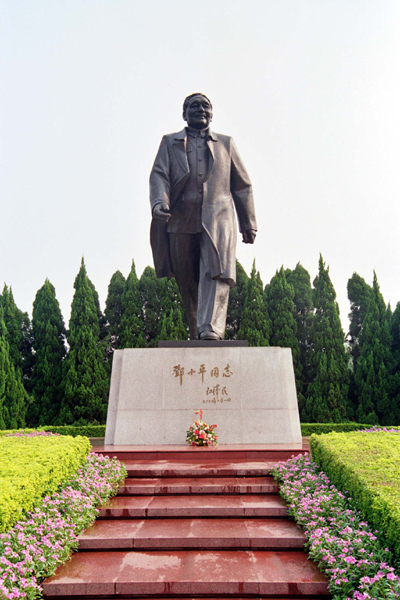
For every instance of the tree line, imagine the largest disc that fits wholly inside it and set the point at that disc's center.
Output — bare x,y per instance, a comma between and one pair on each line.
53,376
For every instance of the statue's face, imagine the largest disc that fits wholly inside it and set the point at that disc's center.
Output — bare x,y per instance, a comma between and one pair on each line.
198,112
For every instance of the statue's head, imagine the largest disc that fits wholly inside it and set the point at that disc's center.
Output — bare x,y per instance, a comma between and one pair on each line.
197,111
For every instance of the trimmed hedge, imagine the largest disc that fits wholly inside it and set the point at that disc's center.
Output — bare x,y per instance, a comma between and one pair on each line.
308,429
33,467
86,430
367,466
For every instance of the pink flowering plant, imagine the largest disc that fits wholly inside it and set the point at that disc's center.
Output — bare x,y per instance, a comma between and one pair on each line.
23,433
343,545
201,434
34,548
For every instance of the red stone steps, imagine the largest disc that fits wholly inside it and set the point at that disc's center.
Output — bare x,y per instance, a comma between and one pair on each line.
229,452
267,534
198,485
202,468
193,523
187,572
195,506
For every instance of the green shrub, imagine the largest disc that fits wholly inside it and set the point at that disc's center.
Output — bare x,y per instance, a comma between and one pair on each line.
367,466
310,428
33,467
84,430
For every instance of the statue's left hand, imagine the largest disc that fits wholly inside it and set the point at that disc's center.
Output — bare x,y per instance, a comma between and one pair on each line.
249,236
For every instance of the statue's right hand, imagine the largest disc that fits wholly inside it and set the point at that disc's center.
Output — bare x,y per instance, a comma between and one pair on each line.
161,211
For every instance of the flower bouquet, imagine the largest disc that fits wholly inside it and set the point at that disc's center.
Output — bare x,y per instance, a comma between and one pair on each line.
201,434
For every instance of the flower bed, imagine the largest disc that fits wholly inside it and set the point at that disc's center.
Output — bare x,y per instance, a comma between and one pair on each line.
344,546
32,466
36,546
366,463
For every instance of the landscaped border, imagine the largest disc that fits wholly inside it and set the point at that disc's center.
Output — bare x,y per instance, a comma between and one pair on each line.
34,548
84,430
366,463
343,545
308,429
93,431
32,466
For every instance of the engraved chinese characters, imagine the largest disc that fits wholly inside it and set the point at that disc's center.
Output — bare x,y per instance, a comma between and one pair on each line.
214,392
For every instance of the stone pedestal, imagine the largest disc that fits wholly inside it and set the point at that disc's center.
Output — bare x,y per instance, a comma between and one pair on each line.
249,393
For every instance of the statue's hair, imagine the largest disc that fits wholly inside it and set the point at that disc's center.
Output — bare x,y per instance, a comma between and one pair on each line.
187,100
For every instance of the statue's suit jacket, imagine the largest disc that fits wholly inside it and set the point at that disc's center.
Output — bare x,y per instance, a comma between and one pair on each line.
227,185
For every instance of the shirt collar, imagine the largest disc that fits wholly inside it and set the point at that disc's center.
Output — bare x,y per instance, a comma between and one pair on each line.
204,133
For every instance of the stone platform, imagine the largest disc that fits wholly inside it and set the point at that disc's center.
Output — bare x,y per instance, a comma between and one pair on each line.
208,524
249,393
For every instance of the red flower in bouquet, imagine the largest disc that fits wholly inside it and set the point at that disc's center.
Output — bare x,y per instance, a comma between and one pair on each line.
201,434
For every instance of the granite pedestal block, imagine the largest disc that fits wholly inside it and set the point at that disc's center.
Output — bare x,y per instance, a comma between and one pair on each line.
250,393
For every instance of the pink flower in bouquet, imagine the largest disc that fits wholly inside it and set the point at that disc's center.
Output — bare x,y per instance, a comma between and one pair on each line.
196,432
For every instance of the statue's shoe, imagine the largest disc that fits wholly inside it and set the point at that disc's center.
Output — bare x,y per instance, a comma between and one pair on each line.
209,335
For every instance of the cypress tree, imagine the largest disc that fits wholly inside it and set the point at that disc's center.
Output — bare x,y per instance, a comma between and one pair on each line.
255,325
303,312
132,326
359,293
237,298
327,397
373,376
395,338
48,342
150,286
280,294
172,325
395,334
85,383
113,310
13,397
19,334
101,317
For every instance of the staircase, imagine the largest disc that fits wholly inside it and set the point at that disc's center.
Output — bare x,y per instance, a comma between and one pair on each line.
192,522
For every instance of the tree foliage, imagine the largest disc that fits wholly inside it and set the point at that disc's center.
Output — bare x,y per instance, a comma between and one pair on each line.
327,393
149,287
103,330
113,310
85,383
280,294
237,298
303,312
72,386
359,294
132,326
18,334
172,325
255,324
373,376
49,352
14,399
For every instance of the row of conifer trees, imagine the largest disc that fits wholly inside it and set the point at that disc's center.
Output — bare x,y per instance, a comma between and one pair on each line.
53,376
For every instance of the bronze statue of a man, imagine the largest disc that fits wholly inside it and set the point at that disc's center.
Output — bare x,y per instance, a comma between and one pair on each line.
196,181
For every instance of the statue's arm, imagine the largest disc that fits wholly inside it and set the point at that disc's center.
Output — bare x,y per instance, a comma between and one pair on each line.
160,183
242,194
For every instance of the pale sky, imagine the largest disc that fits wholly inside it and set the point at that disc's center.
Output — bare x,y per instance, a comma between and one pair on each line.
309,89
